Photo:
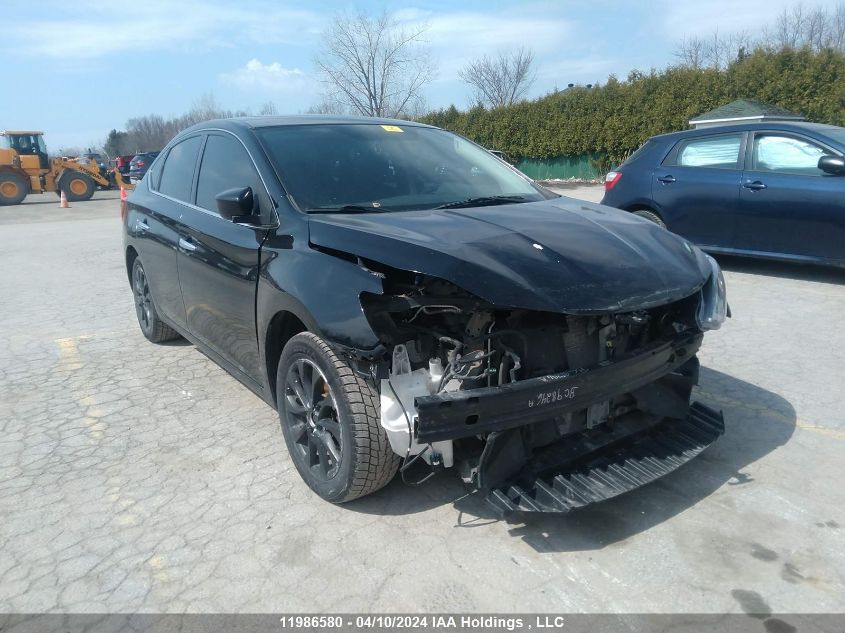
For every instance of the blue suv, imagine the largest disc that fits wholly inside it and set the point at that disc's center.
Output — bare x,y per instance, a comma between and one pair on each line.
774,190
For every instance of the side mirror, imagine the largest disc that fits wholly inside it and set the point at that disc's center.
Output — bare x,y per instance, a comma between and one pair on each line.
832,165
237,205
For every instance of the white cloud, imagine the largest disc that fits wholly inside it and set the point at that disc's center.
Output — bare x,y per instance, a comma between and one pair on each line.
158,24
268,78
681,19
460,36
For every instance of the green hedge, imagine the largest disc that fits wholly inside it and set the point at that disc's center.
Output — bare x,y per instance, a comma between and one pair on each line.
584,167
614,119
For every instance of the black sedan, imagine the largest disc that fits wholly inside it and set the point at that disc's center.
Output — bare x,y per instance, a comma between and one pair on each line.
140,163
772,190
408,302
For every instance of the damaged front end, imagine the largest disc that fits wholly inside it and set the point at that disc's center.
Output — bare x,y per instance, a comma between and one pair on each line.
544,412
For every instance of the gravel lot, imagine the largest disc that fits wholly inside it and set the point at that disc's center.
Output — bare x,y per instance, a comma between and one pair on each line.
136,477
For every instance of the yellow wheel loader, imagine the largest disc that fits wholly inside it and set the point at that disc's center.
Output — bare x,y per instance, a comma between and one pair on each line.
25,168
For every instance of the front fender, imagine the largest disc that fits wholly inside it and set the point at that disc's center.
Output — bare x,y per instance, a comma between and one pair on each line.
321,290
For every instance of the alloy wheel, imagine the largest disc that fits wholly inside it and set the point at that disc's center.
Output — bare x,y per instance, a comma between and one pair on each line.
311,415
143,301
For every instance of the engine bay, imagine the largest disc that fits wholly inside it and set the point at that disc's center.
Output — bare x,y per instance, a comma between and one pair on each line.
442,340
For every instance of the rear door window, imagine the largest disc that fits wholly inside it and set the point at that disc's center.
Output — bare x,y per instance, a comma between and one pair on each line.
719,152
178,171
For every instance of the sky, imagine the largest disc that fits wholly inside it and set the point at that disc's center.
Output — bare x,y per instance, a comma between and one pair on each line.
75,70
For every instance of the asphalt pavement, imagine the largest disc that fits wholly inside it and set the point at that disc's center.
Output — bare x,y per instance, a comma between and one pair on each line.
137,477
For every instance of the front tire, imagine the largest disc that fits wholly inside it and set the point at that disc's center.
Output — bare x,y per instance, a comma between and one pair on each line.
77,186
156,330
330,421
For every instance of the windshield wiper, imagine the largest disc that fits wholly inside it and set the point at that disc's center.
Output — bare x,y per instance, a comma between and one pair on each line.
483,201
346,208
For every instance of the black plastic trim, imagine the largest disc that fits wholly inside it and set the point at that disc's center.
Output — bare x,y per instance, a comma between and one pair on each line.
456,414
647,457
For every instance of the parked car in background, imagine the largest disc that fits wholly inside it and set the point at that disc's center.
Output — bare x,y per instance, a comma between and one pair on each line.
140,163
774,190
122,163
401,296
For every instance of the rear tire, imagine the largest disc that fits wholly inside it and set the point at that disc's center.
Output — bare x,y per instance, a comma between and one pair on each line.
77,186
331,423
156,330
13,188
651,216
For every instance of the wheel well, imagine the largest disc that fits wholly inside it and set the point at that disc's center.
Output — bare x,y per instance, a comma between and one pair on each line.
642,207
283,327
131,255
645,207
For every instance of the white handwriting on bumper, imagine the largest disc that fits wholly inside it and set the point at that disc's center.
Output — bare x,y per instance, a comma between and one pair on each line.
548,397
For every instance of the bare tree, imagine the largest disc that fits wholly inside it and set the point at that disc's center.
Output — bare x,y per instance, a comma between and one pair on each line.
718,51
837,27
817,28
789,27
796,26
268,108
691,51
501,80
373,66
816,34
328,105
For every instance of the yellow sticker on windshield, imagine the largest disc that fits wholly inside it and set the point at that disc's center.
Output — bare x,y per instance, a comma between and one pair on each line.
392,128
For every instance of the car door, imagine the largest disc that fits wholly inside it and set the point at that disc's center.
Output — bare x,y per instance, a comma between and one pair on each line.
696,188
218,259
156,225
788,206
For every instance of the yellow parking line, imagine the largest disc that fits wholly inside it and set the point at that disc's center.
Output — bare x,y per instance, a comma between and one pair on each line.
69,359
834,433
721,399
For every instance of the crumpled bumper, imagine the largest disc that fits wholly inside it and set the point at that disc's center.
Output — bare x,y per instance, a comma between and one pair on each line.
456,414
613,470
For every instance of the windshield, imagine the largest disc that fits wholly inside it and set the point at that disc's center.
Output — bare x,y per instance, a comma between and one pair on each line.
371,167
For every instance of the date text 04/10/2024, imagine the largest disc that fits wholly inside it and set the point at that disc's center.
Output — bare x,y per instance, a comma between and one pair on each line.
448,622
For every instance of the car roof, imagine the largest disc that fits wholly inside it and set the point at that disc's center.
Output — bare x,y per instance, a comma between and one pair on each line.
785,126
255,122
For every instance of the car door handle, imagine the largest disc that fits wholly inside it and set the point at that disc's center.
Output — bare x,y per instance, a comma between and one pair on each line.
141,226
754,186
187,245
667,179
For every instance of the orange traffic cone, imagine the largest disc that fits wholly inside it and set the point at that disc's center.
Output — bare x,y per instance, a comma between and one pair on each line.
123,197
63,201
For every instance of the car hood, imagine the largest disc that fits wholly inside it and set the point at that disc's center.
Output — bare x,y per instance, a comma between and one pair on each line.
559,255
